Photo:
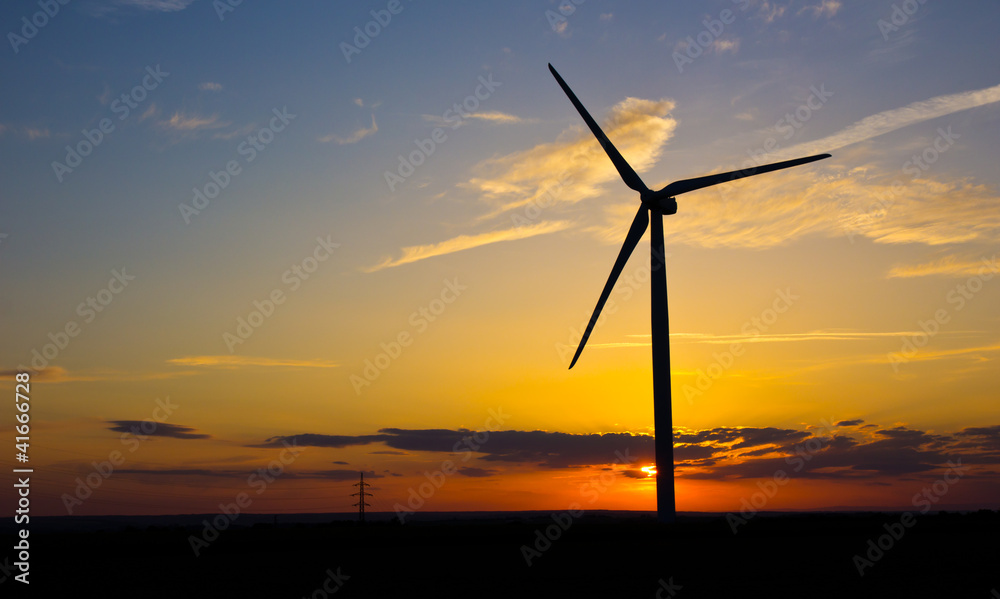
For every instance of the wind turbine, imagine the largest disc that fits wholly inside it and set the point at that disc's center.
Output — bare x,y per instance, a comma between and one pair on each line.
656,204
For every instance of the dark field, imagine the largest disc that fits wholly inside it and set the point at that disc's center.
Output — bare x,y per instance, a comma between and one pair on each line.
598,555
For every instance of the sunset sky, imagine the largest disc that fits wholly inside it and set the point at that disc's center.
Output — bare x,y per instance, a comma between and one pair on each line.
263,227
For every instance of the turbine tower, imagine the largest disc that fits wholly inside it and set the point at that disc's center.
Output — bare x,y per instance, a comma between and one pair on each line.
653,206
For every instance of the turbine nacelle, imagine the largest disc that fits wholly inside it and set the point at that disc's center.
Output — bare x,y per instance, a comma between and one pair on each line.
665,205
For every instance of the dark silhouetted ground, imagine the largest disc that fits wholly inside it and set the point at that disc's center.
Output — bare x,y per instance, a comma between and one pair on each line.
793,555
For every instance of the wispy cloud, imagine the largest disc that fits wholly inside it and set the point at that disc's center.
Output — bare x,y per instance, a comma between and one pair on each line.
891,120
58,374
234,362
946,354
106,95
353,138
100,8
34,133
142,428
187,123
770,12
152,112
728,45
490,116
948,266
575,166
156,5
210,86
826,8
761,338
466,242
825,200
240,132
498,117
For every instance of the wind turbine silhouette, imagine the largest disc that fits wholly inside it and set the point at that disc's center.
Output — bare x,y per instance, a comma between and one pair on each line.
656,203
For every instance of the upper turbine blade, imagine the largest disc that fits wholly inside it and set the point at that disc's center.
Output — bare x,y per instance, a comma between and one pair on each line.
686,185
624,169
635,233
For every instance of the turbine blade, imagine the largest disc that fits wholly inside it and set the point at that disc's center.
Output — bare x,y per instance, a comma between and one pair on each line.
631,240
624,169
686,185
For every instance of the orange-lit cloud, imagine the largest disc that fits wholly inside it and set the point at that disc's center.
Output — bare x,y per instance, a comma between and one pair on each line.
498,117
575,167
465,242
844,449
769,211
58,374
760,338
232,362
358,135
949,266
183,122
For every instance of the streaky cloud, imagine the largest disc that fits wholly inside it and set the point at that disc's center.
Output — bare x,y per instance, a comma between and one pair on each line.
187,123
232,362
143,428
498,117
897,118
948,266
761,338
466,242
353,138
